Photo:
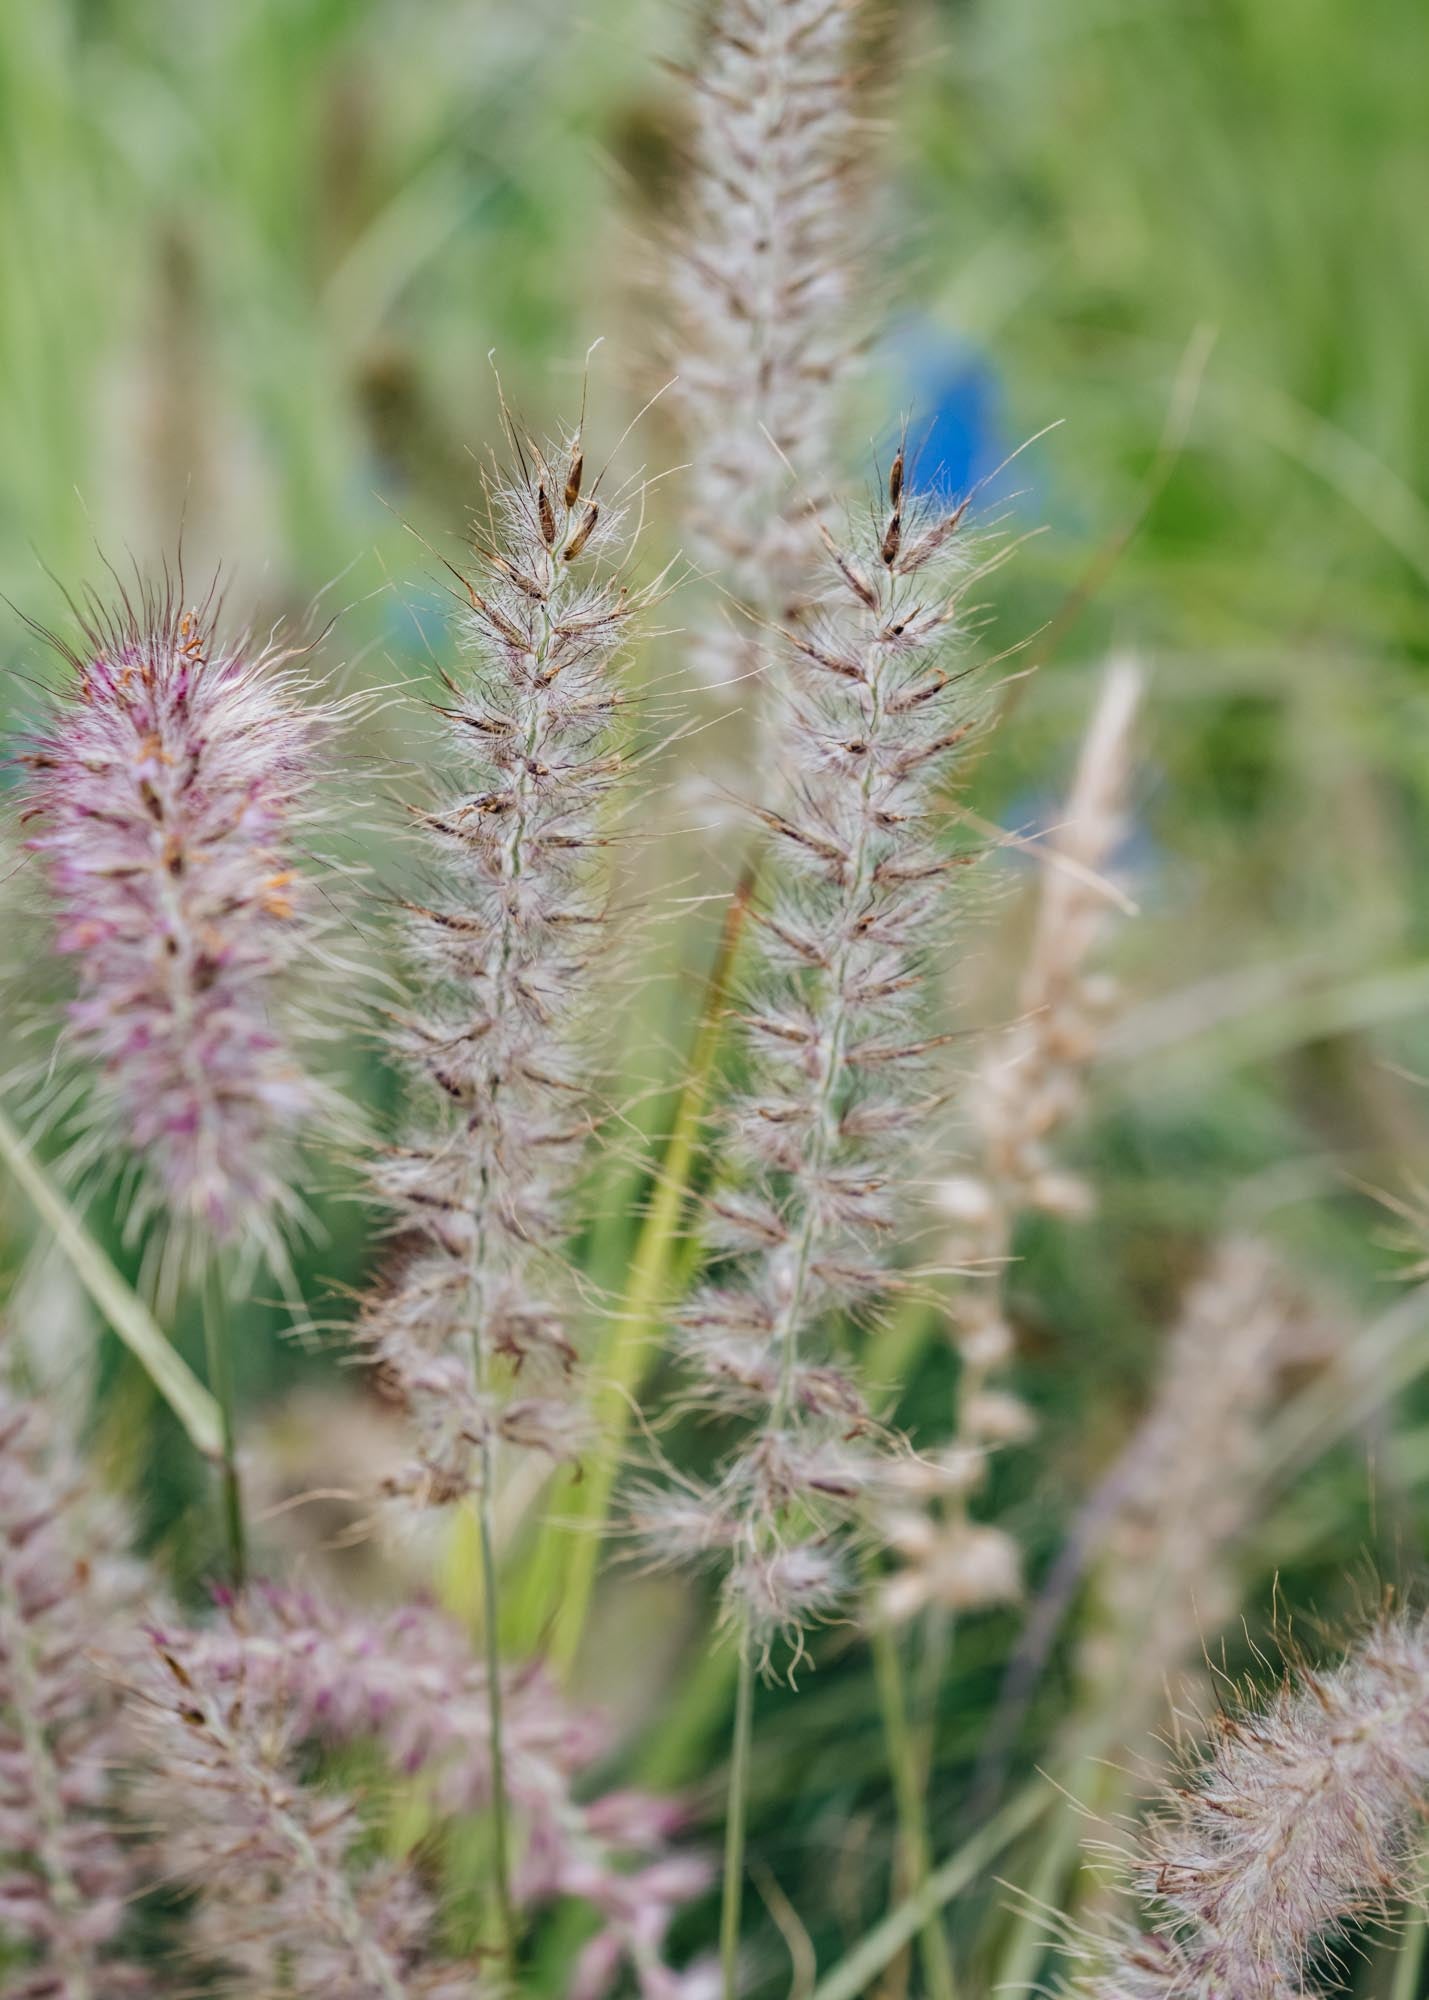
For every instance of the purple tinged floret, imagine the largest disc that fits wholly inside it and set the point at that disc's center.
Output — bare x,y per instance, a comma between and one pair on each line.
288,1665
67,1590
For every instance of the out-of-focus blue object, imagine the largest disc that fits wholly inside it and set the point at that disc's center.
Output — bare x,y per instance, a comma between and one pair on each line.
952,396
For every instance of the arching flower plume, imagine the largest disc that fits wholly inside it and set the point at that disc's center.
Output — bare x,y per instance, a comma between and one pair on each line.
287,1898
68,1591
842,1065
761,284
292,1664
1302,1818
470,1328
1029,1085
169,799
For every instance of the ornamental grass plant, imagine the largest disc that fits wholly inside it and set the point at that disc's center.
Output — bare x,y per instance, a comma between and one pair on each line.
711,1263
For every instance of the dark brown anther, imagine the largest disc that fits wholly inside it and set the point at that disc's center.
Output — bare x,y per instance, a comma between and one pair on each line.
895,480
583,533
573,477
547,515
892,537
856,581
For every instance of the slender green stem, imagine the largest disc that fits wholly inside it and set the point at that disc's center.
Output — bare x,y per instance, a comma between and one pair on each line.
855,1973
908,1771
736,1812
933,1667
121,1306
1409,1963
491,1622
1031,1939
218,1347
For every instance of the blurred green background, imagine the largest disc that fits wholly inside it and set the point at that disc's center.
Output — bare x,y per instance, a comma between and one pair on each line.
253,257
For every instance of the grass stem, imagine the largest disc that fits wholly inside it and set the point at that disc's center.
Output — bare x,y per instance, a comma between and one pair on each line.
736,1812
909,1771
218,1349
855,1973
491,1632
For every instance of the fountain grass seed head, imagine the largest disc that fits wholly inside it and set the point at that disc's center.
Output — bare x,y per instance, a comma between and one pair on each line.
1304,1816
408,1683
67,1590
470,1328
761,286
170,798
842,1063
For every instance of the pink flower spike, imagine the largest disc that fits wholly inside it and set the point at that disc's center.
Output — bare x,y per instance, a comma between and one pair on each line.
167,799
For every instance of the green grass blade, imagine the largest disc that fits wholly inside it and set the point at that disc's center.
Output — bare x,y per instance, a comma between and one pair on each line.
857,1969
910,1794
580,1507
130,1318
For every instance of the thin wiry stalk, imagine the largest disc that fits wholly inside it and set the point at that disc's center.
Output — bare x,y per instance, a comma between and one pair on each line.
217,1334
736,1816
496,1739
910,1792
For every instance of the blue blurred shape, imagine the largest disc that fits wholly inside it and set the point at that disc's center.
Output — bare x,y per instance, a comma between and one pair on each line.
953,398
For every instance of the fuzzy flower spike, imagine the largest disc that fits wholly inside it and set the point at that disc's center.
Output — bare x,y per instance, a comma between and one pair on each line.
407,1684
1304,1818
66,1589
289,1897
761,288
470,1330
819,1146
168,798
